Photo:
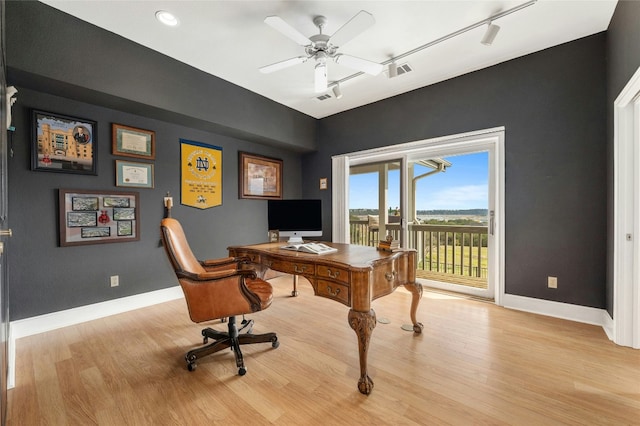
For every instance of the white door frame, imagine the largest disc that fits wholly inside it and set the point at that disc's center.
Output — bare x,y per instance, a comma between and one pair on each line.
479,140
626,254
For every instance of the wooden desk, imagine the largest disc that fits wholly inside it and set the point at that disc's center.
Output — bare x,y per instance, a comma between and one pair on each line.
354,276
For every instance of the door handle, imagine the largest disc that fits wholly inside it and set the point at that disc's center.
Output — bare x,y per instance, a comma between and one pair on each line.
492,216
6,233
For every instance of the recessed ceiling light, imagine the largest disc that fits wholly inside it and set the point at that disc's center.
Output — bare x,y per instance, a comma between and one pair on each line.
166,18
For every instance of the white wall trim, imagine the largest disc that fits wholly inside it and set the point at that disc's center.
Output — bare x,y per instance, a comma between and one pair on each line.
567,311
43,323
626,269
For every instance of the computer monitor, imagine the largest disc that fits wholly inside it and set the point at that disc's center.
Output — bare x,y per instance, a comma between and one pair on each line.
295,218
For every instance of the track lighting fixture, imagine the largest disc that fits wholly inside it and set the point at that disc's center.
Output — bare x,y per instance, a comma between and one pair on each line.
337,92
393,69
490,34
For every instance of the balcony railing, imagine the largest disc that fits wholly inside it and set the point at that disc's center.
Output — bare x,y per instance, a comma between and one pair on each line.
444,251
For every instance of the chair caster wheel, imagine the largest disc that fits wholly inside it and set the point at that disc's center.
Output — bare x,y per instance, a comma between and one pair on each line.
242,371
191,366
275,343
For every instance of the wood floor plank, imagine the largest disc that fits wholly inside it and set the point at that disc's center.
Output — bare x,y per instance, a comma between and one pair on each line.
474,363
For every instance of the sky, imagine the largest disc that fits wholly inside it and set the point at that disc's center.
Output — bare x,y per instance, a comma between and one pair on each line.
464,185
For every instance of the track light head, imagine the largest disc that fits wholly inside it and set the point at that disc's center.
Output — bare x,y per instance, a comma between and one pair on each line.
490,34
393,70
337,92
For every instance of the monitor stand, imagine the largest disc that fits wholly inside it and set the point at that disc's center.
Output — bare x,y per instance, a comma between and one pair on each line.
295,240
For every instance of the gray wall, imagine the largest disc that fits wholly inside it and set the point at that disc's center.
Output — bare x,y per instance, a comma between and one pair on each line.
552,104
46,278
623,59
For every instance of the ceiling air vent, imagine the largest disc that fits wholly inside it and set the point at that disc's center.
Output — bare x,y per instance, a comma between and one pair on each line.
401,69
323,97
404,68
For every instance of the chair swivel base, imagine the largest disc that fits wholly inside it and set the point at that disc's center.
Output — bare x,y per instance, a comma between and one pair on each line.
231,339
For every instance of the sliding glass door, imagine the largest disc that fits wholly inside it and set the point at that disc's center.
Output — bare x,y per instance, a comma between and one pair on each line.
442,198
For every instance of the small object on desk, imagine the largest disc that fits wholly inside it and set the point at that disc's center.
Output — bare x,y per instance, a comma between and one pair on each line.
389,244
314,248
274,235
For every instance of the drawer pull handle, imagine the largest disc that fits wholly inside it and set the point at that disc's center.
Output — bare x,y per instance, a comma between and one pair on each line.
333,293
333,275
299,270
390,276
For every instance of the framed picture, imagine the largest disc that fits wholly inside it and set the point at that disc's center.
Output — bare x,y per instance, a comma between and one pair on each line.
94,217
60,143
131,142
323,183
274,236
260,177
135,175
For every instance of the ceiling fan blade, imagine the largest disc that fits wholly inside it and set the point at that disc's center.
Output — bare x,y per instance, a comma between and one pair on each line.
359,64
280,25
283,64
360,22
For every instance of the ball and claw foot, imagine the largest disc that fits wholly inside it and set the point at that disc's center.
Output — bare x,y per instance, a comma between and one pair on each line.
418,327
365,385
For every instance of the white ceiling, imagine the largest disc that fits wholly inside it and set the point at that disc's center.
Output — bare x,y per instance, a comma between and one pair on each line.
229,39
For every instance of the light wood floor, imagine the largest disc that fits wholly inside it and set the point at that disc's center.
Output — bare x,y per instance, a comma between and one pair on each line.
475,363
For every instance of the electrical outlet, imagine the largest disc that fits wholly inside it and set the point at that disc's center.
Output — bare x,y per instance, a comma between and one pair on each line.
115,280
552,282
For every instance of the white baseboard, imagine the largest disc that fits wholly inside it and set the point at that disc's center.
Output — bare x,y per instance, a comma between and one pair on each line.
43,323
584,314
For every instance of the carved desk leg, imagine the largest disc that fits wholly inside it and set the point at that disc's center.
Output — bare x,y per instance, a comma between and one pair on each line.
416,295
363,324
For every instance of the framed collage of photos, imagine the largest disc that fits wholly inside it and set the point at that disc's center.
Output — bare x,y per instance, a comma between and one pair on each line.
95,217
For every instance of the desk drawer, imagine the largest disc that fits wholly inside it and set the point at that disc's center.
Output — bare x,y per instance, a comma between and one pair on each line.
336,274
333,290
385,279
296,268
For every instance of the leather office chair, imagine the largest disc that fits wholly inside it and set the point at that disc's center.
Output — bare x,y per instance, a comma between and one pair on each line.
217,289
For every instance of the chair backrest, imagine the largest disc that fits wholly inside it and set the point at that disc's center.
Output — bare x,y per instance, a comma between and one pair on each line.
177,247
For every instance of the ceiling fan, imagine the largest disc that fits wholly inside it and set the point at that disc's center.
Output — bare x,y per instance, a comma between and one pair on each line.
321,47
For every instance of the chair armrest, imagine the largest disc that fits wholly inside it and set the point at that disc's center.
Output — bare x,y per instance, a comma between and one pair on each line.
225,261
217,274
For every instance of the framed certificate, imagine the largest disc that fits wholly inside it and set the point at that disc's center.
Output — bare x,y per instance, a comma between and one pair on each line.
134,175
